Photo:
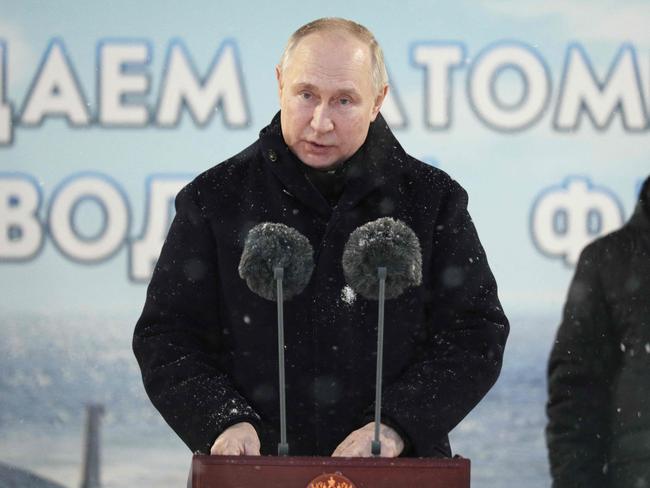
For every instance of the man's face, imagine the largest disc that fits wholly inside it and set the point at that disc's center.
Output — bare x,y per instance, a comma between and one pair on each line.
327,98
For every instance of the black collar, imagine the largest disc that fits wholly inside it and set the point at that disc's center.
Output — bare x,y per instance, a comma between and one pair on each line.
329,182
379,150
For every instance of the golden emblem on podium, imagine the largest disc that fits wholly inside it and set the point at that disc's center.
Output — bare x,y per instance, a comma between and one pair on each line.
331,480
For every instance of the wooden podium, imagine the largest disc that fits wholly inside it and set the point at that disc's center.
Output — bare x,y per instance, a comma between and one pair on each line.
327,472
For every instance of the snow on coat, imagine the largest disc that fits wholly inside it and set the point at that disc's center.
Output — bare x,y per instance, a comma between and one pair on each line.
207,345
598,433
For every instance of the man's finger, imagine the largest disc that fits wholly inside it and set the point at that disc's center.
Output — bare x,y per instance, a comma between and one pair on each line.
231,451
341,448
351,449
356,450
251,448
339,451
215,450
226,449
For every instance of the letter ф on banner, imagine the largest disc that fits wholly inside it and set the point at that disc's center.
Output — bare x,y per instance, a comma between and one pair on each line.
565,218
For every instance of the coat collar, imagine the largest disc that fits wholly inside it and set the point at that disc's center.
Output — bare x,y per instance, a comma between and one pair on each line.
367,167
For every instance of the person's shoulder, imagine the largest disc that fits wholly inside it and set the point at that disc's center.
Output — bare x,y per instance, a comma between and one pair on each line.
428,176
232,170
226,176
615,245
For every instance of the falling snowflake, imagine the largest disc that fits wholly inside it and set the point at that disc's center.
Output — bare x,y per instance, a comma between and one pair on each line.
348,295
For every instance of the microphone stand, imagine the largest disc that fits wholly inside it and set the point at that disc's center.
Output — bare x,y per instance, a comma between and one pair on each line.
283,446
376,444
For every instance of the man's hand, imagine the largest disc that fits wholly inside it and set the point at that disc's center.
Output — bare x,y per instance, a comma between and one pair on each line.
358,443
238,439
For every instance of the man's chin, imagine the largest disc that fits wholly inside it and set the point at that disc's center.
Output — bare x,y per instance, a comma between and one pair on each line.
318,161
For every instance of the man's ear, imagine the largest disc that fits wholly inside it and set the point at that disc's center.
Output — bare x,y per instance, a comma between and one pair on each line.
278,76
379,100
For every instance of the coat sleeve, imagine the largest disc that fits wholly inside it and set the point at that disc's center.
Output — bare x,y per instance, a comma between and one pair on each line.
177,338
462,356
580,372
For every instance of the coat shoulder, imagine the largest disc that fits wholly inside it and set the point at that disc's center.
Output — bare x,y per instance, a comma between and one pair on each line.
222,180
432,178
231,171
610,247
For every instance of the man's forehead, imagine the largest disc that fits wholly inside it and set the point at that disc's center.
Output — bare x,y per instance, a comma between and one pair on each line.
326,57
317,77
347,45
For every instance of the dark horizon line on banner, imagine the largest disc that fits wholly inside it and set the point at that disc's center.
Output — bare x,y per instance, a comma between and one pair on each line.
123,84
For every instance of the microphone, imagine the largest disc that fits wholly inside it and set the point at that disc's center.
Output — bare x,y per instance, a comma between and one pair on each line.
276,264
269,246
385,242
381,260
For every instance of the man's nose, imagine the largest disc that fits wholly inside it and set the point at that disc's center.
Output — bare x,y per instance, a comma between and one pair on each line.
321,120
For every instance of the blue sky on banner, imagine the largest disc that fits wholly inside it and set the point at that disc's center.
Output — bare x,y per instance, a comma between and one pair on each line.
518,144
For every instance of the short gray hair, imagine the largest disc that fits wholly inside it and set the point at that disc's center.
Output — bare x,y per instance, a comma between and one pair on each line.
329,24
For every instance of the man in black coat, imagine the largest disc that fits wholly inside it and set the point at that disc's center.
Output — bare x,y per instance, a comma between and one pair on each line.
598,433
325,165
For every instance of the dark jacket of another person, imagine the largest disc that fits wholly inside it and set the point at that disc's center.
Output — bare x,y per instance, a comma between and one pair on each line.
598,432
207,345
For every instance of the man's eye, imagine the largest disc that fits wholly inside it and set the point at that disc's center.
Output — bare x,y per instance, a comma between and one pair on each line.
344,101
305,95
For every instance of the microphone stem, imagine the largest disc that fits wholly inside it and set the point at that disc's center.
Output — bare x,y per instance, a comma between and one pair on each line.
283,446
381,273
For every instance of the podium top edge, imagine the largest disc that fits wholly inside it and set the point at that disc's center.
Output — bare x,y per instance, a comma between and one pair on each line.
451,463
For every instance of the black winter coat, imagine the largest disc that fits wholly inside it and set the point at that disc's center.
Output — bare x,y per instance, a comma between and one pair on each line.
598,432
207,345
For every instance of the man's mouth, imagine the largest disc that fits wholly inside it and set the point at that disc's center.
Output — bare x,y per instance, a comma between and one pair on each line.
316,147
